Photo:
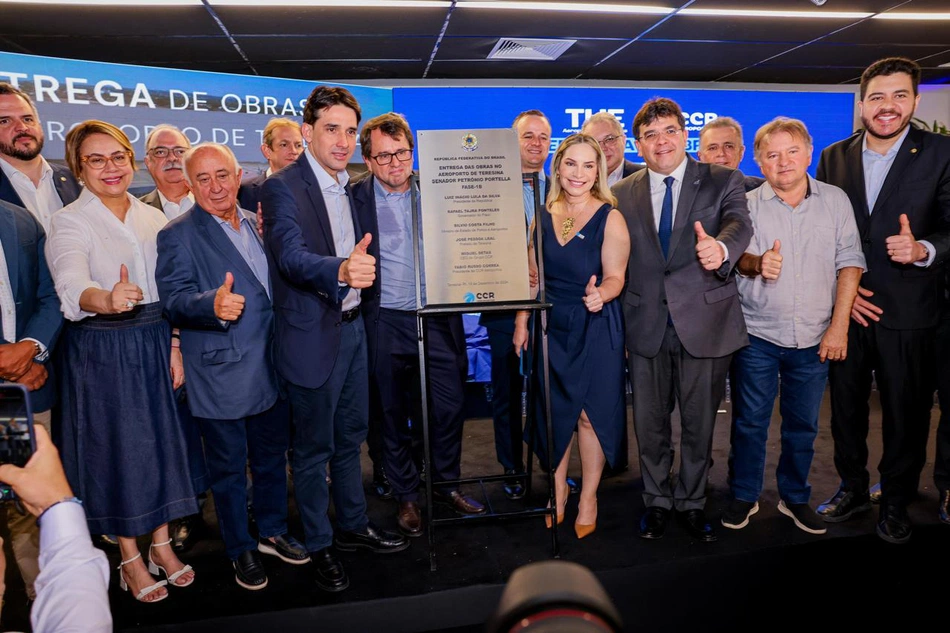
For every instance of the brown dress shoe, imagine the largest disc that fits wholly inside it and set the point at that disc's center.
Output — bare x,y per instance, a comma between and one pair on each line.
409,519
462,504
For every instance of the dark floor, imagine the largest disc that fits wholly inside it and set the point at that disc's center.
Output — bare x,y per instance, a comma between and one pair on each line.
673,583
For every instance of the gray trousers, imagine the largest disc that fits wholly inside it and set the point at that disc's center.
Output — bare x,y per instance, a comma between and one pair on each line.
697,384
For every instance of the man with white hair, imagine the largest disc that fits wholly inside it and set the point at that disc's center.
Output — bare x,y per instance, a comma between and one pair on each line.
164,148
608,132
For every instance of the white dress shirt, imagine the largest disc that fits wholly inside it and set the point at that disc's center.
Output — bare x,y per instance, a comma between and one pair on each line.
617,175
173,210
43,200
72,590
88,244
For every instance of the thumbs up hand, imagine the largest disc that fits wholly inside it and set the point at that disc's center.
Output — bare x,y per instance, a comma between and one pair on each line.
593,300
708,251
903,248
771,263
124,295
227,305
359,269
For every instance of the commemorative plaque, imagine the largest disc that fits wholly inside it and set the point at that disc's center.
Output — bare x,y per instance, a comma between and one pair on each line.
473,221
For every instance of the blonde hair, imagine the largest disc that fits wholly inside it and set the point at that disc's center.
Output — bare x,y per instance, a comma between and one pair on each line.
792,127
275,124
600,190
77,135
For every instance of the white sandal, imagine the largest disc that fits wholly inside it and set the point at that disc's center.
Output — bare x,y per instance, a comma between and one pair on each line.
124,586
154,569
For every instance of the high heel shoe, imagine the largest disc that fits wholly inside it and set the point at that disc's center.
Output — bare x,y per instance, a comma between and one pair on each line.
124,585
154,569
586,529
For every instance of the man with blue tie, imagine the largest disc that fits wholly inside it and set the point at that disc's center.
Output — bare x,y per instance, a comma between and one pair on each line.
319,264
682,312
213,280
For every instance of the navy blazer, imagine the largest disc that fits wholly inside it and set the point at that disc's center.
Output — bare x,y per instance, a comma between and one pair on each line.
38,314
250,193
918,184
63,180
304,268
229,366
364,197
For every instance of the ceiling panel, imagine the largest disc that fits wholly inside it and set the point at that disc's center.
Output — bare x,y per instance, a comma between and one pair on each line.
317,20
336,47
72,21
135,49
733,29
548,24
587,52
822,54
900,32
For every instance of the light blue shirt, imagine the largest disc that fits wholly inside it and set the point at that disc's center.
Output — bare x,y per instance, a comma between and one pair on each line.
245,241
528,193
876,167
341,218
397,265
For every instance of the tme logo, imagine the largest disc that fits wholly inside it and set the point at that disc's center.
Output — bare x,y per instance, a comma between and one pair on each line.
579,115
472,297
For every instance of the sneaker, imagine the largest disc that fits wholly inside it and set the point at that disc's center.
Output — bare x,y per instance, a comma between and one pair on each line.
736,515
804,517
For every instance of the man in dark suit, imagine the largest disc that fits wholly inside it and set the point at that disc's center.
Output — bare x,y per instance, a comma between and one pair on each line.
281,144
213,280
689,223
383,206
720,143
26,179
898,180
164,148
608,131
31,319
319,265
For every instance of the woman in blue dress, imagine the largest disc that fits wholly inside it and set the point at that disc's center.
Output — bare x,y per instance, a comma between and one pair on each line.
585,248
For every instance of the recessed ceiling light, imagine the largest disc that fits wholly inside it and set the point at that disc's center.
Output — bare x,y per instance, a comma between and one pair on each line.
580,7
912,16
766,13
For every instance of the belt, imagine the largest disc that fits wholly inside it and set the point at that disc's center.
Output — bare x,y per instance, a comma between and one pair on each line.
350,315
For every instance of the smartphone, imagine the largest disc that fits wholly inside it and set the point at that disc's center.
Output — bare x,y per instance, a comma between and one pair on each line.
17,440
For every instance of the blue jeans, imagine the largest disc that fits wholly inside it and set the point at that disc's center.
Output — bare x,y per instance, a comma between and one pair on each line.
756,371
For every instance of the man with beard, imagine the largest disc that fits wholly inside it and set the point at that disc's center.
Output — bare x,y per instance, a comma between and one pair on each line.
898,180
164,149
26,179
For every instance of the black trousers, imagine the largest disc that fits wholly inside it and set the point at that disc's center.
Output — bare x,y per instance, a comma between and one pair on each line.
397,378
904,366
942,459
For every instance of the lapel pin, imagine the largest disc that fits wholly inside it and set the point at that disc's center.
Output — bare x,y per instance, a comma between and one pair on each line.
913,150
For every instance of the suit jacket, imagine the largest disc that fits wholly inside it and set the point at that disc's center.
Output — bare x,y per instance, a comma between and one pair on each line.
250,193
752,182
304,267
151,198
63,180
630,167
364,197
229,365
38,314
704,304
918,184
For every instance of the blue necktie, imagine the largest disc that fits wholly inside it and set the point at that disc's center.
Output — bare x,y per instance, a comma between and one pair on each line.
666,216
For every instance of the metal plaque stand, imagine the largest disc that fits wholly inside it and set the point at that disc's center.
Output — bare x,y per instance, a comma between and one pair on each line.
538,326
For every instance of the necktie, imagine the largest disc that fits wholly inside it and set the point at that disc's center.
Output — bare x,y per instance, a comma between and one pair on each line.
666,216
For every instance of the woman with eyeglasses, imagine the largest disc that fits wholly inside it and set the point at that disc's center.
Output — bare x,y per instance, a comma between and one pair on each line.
123,446
585,245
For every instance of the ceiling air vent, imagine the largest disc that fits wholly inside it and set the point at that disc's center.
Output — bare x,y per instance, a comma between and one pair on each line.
528,48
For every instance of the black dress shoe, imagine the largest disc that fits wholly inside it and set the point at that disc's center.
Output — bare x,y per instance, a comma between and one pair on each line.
653,522
381,485
466,506
330,575
371,538
893,525
286,548
944,512
844,504
249,572
698,527
183,533
514,490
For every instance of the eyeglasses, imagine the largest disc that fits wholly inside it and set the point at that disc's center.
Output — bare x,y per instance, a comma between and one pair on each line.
654,135
98,161
163,152
385,158
607,141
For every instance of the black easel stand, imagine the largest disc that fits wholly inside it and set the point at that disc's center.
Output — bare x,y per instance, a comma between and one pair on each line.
539,343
